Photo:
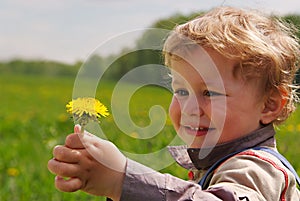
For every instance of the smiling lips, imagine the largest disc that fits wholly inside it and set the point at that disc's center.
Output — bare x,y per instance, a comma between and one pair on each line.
196,131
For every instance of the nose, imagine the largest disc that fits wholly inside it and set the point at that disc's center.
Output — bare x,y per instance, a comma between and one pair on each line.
192,106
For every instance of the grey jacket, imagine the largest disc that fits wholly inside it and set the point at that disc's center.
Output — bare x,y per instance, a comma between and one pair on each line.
251,175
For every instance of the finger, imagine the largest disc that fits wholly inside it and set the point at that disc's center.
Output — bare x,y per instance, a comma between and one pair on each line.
63,169
77,128
79,141
65,154
74,141
70,185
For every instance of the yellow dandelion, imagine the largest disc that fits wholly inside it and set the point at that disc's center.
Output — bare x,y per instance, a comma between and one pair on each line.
86,109
290,128
134,135
13,172
298,127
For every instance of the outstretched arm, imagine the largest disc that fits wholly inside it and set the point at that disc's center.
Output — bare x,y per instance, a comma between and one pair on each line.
97,167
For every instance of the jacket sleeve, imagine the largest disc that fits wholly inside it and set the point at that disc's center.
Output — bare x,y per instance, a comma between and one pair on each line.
143,183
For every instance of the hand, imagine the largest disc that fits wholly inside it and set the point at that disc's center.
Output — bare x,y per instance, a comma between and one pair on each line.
91,164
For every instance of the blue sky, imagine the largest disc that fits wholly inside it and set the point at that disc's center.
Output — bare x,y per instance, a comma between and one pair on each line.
69,30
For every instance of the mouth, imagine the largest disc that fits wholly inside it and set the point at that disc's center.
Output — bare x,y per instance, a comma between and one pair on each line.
196,131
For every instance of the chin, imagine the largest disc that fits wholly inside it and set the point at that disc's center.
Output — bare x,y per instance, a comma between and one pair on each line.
195,144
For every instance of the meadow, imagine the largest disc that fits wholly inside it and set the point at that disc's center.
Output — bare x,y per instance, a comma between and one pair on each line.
33,120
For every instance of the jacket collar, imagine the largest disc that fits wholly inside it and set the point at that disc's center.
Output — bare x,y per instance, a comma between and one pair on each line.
190,157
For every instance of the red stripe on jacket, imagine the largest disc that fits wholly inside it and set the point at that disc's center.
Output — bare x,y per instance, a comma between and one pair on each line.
285,174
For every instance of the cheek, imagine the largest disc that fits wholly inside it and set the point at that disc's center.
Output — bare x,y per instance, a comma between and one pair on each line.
175,112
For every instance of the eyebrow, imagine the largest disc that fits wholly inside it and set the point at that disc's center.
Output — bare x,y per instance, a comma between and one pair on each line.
208,85
175,81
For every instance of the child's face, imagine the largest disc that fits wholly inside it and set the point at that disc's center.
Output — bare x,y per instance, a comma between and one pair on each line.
208,109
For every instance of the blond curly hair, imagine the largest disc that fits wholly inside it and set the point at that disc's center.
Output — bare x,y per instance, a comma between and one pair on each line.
265,47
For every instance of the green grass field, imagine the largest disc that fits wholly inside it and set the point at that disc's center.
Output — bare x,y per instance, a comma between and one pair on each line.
33,120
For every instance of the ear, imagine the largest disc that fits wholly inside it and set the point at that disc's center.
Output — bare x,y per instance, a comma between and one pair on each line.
273,106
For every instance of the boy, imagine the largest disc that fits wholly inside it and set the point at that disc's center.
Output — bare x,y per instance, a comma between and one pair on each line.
232,76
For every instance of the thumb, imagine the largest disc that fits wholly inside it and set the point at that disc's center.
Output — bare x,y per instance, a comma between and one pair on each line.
77,128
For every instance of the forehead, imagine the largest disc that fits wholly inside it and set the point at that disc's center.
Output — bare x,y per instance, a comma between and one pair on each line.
204,65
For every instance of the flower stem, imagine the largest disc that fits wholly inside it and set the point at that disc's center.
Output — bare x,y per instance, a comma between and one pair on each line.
82,130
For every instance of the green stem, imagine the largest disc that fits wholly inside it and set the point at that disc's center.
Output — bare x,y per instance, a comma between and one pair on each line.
82,129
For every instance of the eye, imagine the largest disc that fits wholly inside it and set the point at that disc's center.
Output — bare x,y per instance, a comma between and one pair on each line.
211,93
181,92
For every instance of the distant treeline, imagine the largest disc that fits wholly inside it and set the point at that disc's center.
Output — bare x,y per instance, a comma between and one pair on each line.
39,67
127,59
